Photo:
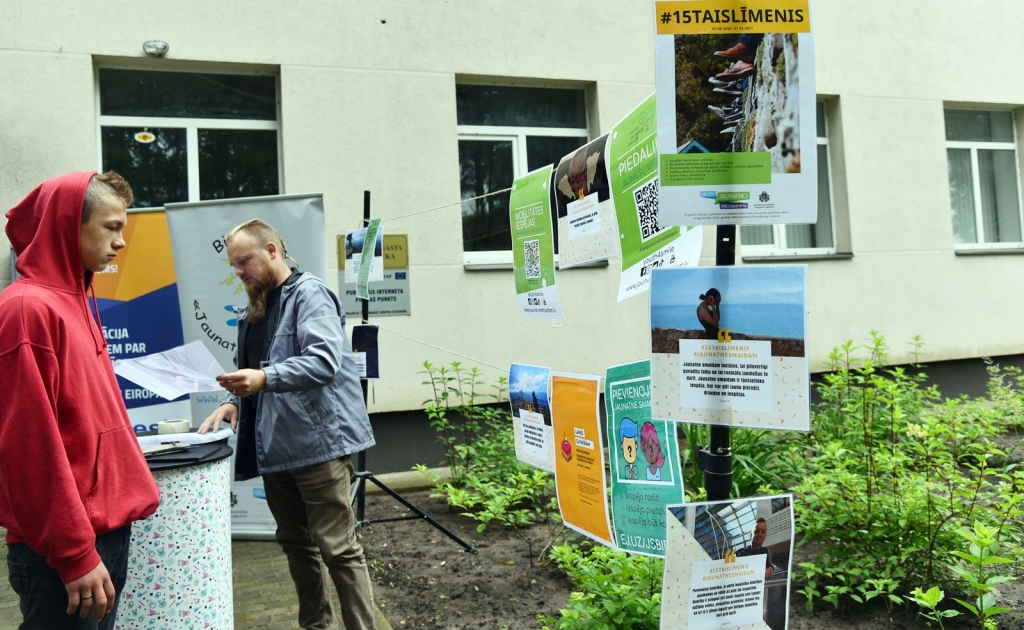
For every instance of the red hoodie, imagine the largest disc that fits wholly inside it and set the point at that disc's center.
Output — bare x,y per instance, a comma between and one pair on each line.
70,466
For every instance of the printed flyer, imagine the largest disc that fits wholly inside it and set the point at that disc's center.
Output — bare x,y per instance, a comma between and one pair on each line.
579,458
646,475
728,346
646,243
737,139
531,415
354,255
533,246
728,564
371,261
586,210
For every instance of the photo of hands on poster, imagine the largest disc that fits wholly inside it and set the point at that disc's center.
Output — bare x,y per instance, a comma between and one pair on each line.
728,564
736,112
584,205
728,346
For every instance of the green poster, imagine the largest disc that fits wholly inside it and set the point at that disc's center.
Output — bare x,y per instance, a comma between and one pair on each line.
645,471
366,261
533,250
633,172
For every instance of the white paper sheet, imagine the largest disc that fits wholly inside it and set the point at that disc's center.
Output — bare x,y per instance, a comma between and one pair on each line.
186,438
175,372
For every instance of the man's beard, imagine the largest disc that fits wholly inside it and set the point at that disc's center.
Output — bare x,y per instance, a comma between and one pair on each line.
259,290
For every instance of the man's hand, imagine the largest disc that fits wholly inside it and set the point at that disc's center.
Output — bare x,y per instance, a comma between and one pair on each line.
94,589
768,573
243,382
227,411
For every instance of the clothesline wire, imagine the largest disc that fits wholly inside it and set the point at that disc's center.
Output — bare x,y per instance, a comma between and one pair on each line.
430,345
441,207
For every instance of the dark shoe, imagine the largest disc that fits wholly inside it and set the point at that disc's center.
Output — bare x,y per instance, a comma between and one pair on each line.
721,83
738,70
736,92
739,52
724,112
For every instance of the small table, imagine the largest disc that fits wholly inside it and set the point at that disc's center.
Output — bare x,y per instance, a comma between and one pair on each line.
179,569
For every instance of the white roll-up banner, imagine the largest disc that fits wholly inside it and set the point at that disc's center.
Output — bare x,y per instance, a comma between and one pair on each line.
209,292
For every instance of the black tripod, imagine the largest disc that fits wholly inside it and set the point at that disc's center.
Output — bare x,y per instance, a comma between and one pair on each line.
362,476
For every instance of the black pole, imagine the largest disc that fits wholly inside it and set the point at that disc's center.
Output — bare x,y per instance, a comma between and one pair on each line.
361,459
362,476
716,458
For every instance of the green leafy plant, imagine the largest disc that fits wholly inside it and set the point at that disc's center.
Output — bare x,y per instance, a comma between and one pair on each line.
617,590
887,475
488,483
975,568
929,602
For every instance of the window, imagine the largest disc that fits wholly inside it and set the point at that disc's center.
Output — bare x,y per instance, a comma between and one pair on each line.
817,238
505,132
185,136
984,178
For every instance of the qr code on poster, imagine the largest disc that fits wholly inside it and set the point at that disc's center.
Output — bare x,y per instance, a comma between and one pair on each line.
647,209
531,253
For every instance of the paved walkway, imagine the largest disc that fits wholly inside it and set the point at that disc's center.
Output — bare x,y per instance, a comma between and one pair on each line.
264,595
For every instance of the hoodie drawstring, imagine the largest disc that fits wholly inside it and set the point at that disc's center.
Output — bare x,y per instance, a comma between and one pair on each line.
101,343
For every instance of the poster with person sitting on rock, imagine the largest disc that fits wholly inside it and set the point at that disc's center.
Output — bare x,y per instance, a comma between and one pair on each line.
728,346
736,112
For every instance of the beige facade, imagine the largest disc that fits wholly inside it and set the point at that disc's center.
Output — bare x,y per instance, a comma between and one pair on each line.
367,102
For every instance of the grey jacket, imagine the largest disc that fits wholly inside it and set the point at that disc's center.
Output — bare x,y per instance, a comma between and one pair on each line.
311,409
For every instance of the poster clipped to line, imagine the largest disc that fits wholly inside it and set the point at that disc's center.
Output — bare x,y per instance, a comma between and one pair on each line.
579,456
645,467
728,564
646,242
585,208
371,261
728,346
354,257
533,246
389,297
737,132
365,350
528,395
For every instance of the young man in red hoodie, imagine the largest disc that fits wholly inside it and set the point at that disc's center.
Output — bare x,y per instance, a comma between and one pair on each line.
72,476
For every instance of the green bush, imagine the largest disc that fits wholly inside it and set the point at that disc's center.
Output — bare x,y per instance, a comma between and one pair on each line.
616,590
887,477
488,483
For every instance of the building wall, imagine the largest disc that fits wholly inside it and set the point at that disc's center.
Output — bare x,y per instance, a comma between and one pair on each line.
368,103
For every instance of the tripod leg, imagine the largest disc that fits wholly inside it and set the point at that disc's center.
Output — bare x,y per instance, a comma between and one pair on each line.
441,528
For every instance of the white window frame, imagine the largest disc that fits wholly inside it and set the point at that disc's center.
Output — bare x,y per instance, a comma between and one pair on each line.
516,135
979,219
190,125
778,246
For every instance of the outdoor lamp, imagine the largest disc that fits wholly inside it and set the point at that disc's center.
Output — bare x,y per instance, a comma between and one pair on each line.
155,48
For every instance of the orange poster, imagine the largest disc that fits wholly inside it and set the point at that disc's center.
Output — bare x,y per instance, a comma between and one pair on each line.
579,457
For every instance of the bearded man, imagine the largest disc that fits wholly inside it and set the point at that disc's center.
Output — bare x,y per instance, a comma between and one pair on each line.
299,411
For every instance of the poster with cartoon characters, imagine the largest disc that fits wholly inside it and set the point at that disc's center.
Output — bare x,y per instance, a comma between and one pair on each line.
531,415
579,456
644,460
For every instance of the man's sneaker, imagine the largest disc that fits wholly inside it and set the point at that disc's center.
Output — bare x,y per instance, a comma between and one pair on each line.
736,92
721,83
728,130
738,70
739,52
723,112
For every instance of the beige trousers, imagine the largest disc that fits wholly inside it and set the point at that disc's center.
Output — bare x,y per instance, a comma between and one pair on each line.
316,527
